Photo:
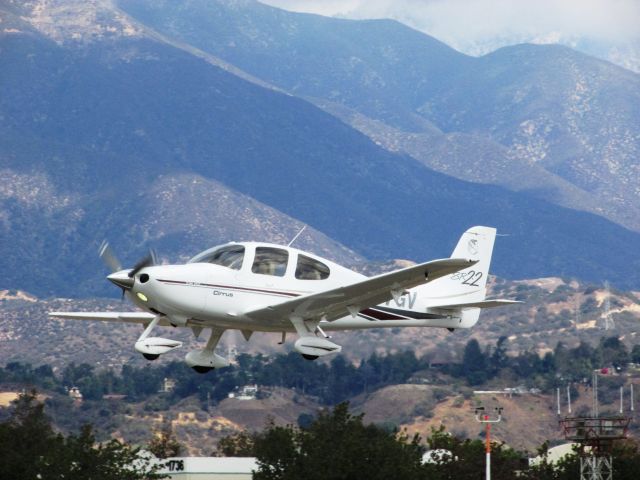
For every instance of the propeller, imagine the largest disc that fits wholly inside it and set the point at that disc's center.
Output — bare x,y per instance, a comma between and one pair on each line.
124,279
149,260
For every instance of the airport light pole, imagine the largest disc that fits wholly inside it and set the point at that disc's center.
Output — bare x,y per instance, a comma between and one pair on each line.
481,417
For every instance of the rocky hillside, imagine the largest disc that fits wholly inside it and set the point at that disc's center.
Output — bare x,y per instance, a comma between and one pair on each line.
566,124
105,116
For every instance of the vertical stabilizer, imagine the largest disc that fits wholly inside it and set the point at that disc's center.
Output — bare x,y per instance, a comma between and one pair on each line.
468,285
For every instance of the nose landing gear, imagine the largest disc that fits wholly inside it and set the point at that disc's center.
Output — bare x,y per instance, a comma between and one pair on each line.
152,347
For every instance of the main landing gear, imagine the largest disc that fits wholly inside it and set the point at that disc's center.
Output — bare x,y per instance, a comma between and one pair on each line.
205,360
200,369
309,345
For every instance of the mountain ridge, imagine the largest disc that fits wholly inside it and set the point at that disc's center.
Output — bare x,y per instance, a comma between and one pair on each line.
99,122
394,85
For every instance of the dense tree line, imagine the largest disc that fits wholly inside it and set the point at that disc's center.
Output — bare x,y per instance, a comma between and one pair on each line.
563,364
331,382
334,445
339,445
31,449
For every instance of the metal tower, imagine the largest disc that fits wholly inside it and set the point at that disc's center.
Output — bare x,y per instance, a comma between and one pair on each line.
608,320
595,435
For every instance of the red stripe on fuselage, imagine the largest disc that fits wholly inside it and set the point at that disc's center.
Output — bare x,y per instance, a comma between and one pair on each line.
231,287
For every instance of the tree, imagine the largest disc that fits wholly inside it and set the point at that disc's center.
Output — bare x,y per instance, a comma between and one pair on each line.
635,354
241,444
29,448
466,458
613,352
164,444
474,363
499,358
27,441
337,445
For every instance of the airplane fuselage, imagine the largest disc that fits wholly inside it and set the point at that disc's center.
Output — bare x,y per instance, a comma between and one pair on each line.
205,294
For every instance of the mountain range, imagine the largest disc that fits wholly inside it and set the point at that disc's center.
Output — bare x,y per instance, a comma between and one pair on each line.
183,125
559,116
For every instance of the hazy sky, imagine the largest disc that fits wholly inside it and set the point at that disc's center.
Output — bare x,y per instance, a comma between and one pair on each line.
478,26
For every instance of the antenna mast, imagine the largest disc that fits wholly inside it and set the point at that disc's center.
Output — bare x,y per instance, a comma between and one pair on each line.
297,235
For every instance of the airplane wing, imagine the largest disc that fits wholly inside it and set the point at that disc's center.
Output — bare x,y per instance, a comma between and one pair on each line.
123,317
350,299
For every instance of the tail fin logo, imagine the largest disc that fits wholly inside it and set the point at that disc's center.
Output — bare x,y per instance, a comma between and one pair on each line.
472,246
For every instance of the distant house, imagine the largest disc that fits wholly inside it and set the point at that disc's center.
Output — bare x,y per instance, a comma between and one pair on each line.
441,359
246,392
168,385
74,392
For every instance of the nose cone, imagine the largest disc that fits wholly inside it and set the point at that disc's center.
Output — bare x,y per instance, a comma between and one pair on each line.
121,279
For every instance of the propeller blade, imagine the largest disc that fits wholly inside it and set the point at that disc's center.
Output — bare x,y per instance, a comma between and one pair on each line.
109,258
147,261
154,256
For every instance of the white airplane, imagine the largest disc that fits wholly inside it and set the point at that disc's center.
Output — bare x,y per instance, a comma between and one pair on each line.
251,287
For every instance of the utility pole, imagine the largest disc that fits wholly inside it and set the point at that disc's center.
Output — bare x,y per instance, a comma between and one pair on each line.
482,418
594,404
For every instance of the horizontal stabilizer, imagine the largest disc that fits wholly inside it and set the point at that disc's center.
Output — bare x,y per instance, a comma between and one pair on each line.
482,304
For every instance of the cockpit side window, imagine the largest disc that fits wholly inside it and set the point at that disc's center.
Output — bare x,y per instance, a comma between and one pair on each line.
270,261
310,269
231,257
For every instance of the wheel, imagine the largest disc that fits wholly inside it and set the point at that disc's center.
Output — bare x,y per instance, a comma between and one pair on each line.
150,356
309,357
201,369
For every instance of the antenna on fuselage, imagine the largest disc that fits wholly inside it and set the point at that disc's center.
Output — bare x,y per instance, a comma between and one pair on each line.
297,235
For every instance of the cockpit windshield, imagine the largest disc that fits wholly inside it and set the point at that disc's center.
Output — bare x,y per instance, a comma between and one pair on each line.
230,256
